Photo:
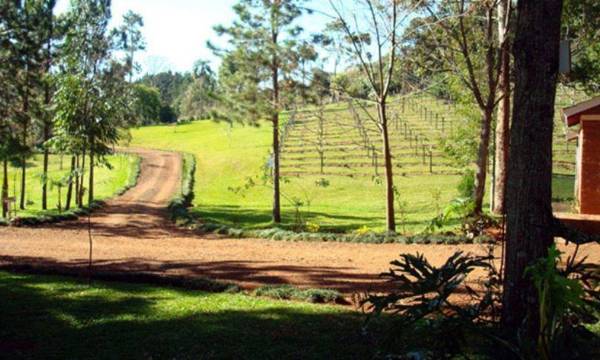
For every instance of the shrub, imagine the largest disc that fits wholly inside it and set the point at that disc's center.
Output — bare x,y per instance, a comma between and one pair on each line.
289,292
466,187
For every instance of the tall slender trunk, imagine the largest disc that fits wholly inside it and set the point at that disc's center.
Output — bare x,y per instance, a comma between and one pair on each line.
482,160
275,119
503,120
276,189
47,123
529,187
389,176
81,188
70,186
45,166
24,154
76,202
5,188
91,177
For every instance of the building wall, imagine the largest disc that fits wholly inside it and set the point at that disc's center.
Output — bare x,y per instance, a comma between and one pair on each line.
589,192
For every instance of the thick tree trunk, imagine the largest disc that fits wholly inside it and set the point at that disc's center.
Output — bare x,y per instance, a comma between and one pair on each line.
503,121
4,188
70,186
528,196
389,176
482,160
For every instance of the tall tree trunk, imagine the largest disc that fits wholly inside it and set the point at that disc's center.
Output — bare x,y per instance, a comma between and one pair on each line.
528,196
389,176
76,202
45,174
91,177
482,160
81,187
503,121
275,78
5,188
276,189
47,100
24,155
70,186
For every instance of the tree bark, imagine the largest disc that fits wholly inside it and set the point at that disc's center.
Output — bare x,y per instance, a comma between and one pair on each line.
76,202
45,176
503,120
24,155
81,188
528,201
389,176
275,119
70,186
482,160
91,177
5,188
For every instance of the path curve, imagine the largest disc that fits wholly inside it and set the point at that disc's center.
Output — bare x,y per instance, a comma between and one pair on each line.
132,234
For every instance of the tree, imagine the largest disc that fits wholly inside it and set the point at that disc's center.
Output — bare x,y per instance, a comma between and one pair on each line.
581,21
27,29
466,39
198,98
147,104
48,27
91,105
383,26
263,48
130,39
503,119
529,228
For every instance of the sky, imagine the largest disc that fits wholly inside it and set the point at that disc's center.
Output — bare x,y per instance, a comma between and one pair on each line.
176,31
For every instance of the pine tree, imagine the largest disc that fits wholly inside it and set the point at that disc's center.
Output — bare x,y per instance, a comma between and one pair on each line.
263,49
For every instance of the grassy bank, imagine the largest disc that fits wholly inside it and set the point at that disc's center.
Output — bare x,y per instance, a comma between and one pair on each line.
108,181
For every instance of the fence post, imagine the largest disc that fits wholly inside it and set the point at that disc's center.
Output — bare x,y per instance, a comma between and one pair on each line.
430,161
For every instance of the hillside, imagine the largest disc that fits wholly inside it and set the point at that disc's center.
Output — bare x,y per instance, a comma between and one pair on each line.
332,166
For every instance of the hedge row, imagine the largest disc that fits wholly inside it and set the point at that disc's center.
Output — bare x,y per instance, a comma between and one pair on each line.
75,213
178,207
370,237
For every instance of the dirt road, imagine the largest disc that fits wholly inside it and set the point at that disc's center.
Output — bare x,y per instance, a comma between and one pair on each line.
132,234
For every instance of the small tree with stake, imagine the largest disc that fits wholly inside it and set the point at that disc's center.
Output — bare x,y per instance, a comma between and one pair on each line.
384,21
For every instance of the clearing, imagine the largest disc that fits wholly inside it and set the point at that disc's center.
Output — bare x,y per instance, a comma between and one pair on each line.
132,234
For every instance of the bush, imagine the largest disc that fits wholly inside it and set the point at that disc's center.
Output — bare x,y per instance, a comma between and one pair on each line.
466,187
178,207
289,292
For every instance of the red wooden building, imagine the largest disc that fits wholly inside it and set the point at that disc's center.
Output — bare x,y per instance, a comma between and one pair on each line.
585,119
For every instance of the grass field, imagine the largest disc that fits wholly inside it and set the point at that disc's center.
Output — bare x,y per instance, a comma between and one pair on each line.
61,318
229,156
107,181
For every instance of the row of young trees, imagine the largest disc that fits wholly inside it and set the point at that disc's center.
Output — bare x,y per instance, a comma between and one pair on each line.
67,90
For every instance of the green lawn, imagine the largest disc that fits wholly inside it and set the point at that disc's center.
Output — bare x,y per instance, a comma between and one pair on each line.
107,181
55,317
227,156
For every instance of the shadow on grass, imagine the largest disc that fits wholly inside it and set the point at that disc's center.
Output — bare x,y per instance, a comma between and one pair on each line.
252,218
205,275
52,317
